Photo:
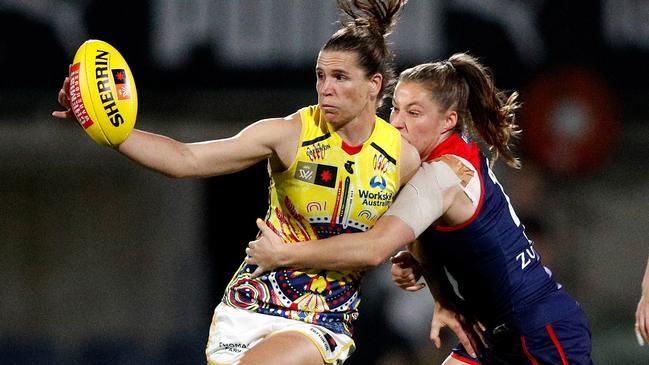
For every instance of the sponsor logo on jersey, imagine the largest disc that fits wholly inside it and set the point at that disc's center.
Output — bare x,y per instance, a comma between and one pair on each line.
305,171
232,346
379,199
349,166
378,181
319,174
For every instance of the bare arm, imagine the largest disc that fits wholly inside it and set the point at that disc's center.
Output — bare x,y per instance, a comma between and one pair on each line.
417,206
410,161
357,251
353,251
264,139
642,312
256,142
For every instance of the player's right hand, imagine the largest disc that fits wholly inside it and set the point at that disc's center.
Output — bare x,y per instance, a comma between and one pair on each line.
470,333
406,271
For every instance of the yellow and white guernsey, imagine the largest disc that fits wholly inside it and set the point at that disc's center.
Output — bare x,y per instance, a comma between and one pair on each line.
330,188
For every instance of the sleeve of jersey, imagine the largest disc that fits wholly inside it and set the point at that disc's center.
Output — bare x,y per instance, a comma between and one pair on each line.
421,201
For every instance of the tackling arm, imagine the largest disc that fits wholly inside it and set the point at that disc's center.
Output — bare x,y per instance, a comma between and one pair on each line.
352,251
420,203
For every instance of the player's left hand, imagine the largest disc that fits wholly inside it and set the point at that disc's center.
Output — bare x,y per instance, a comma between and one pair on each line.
265,251
406,271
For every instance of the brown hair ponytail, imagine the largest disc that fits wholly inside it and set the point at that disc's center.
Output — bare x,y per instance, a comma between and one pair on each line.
464,84
365,31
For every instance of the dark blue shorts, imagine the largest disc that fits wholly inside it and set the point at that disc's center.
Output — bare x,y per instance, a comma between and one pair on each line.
566,341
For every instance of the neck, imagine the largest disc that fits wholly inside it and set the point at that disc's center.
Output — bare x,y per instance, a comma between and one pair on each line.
358,130
442,137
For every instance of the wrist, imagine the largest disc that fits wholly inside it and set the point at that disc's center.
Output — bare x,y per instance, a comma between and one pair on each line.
285,256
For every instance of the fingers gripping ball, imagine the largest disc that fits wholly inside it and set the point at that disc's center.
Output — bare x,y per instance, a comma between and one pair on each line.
103,96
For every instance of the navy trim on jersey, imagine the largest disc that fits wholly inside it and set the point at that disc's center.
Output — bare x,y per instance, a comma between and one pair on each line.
316,140
390,158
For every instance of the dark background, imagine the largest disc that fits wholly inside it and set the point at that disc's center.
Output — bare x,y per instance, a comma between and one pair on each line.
104,262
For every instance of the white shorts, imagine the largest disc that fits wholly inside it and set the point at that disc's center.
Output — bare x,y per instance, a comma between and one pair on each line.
233,331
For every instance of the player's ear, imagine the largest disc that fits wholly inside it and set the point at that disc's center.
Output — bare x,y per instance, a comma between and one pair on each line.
376,82
450,120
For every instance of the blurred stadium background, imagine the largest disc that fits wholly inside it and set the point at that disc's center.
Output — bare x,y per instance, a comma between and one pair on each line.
103,262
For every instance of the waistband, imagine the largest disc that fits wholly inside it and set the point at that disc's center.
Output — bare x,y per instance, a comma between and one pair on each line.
554,307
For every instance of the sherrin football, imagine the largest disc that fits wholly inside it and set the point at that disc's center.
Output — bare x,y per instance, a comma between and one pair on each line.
103,97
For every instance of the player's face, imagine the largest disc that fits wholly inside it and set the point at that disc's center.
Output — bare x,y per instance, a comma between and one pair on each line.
344,91
419,118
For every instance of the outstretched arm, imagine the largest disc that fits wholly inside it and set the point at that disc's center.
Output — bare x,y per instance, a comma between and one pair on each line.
642,312
257,142
263,139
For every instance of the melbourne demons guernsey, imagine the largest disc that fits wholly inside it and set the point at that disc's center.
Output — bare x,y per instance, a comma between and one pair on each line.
499,273
329,189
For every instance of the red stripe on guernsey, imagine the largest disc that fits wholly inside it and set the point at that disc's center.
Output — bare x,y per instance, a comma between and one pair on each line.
463,359
337,205
352,150
527,353
554,338
456,145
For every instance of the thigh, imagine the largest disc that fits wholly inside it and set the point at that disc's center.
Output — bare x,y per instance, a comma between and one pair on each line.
459,356
233,331
567,341
283,348
455,360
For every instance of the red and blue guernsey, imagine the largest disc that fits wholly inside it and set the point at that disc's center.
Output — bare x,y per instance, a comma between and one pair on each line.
500,275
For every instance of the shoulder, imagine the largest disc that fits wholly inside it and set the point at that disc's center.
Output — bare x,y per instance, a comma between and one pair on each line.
278,126
460,170
274,133
291,121
460,167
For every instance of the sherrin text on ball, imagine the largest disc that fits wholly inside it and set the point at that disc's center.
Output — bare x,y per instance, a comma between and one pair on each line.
103,96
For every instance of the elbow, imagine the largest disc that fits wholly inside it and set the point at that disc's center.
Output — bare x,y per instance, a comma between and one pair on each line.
375,259
187,166
174,173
